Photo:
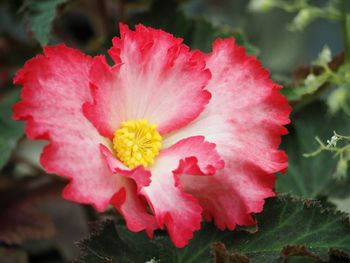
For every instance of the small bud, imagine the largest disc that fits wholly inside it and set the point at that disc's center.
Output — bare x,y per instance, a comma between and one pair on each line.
336,99
302,19
312,83
260,5
325,55
333,141
342,168
153,260
310,79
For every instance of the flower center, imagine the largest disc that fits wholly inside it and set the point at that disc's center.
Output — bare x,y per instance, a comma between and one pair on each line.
137,142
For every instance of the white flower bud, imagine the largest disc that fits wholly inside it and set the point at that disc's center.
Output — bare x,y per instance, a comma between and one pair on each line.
333,141
325,55
310,80
342,168
336,99
260,5
302,19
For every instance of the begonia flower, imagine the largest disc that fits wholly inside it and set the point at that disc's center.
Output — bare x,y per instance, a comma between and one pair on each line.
166,135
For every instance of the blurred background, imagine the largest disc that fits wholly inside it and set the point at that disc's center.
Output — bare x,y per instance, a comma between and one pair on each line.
302,46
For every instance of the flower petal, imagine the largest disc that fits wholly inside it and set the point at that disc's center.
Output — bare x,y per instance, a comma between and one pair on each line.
128,201
232,195
56,85
180,212
245,119
156,77
133,208
140,175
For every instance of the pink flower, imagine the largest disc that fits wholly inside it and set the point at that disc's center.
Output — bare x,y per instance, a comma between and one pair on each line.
166,135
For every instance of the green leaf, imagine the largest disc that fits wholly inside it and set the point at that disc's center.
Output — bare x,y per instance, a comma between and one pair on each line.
287,227
10,130
290,226
120,245
313,177
197,32
40,14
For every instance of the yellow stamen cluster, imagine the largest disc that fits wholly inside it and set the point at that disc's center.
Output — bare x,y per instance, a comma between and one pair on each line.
137,142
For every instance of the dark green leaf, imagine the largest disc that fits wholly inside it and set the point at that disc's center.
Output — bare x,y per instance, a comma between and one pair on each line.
287,227
120,245
40,14
312,177
10,130
198,33
304,226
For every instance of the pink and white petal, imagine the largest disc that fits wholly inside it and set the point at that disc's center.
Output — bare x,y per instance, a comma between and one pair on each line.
156,77
172,207
139,175
133,208
245,119
232,194
197,157
108,109
55,85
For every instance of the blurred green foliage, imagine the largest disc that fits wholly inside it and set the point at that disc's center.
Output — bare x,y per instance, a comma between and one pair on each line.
40,15
313,177
197,32
10,131
284,34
